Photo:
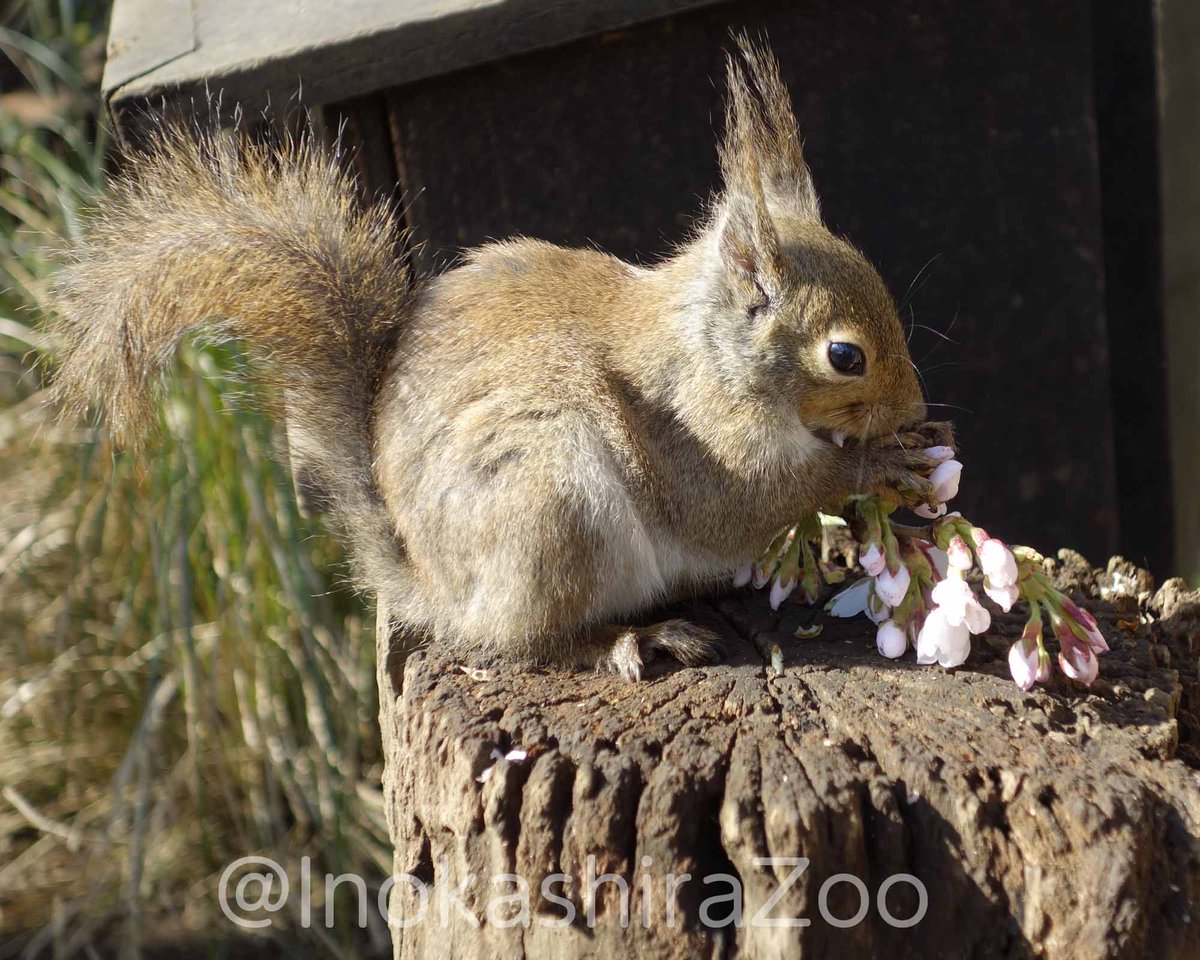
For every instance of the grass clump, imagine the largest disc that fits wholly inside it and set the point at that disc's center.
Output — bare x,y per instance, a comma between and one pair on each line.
183,681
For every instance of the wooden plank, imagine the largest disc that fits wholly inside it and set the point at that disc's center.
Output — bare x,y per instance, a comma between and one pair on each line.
1179,39
271,52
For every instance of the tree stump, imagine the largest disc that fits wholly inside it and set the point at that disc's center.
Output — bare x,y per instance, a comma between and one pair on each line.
1060,823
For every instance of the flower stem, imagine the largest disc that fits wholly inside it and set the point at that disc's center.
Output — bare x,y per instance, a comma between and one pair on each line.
919,533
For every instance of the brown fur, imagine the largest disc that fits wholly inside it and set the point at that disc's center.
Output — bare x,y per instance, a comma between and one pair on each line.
541,442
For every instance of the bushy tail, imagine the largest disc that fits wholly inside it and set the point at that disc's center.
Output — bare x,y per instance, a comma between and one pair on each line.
271,247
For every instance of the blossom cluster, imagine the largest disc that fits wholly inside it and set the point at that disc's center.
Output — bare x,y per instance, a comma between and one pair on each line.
923,586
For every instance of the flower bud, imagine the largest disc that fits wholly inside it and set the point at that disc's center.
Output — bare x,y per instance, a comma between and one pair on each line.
1078,662
1023,663
890,640
781,590
960,554
997,563
872,558
892,587
939,453
1085,620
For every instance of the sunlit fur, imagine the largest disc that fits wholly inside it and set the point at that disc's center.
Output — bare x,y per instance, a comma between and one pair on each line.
541,442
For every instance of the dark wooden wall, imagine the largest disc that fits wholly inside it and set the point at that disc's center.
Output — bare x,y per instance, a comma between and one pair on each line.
959,145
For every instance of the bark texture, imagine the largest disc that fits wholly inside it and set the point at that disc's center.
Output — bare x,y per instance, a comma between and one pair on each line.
1060,823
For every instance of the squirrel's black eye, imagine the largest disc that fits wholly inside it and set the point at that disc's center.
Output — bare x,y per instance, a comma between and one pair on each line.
847,358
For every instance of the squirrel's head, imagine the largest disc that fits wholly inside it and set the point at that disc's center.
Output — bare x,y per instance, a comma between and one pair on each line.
795,315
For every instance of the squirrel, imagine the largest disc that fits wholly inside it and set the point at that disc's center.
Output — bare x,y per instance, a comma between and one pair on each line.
529,450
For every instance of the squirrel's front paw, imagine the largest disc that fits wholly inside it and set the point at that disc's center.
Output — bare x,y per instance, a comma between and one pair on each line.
899,465
939,434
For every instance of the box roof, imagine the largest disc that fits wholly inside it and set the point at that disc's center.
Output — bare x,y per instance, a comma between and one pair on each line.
260,52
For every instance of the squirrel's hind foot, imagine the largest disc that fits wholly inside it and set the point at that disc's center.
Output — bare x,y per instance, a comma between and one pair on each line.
626,650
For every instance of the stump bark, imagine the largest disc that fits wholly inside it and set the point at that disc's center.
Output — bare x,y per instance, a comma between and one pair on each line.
1060,823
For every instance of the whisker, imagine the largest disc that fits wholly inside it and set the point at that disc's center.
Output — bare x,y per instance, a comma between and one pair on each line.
951,406
941,366
920,375
920,273
936,333
944,337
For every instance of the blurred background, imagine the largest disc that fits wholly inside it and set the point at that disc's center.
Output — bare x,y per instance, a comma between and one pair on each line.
184,680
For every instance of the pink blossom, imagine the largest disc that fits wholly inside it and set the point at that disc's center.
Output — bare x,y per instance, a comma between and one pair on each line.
1023,663
941,641
890,640
958,603
892,587
998,563
743,575
1003,597
939,453
872,558
960,554
781,591
928,512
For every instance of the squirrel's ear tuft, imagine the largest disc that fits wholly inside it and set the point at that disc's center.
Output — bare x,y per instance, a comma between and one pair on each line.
762,143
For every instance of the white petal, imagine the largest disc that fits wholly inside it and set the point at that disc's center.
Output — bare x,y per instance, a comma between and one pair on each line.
941,562
877,610
976,617
1003,597
742,577
957,648
850,602
945,478
922,510
951,597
